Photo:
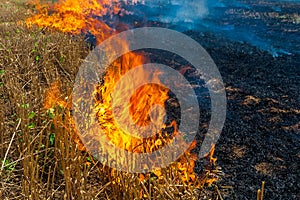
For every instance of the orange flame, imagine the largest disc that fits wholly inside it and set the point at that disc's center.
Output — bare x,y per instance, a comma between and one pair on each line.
139,106
77,16
53,97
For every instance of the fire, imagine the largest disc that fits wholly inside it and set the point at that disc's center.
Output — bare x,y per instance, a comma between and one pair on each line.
83,16
77,16
139,106
53,97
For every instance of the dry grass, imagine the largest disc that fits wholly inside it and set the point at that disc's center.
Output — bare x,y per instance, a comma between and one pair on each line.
30,61
12,10
39,156
260,192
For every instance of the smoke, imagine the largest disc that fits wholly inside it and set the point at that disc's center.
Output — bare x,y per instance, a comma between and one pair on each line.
211,16
174,11
189,10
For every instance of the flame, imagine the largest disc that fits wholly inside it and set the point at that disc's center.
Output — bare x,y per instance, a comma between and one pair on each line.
76,16
139,106
211,153
83,16
53,97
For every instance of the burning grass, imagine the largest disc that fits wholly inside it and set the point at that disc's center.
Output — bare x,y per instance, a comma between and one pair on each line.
41,154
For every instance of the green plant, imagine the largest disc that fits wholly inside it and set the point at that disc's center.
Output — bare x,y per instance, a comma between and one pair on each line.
8,166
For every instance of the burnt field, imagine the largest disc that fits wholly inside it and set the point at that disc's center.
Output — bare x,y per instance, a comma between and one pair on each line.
260,140
43,156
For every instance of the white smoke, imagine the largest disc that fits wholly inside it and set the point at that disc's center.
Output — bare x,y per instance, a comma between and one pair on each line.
173,11
190,10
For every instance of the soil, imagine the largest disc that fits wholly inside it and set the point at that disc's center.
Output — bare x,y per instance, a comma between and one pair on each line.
261,136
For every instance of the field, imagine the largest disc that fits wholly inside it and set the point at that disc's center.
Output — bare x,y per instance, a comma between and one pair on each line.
42,156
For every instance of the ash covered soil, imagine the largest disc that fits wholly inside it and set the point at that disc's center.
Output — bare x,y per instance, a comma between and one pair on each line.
261,136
